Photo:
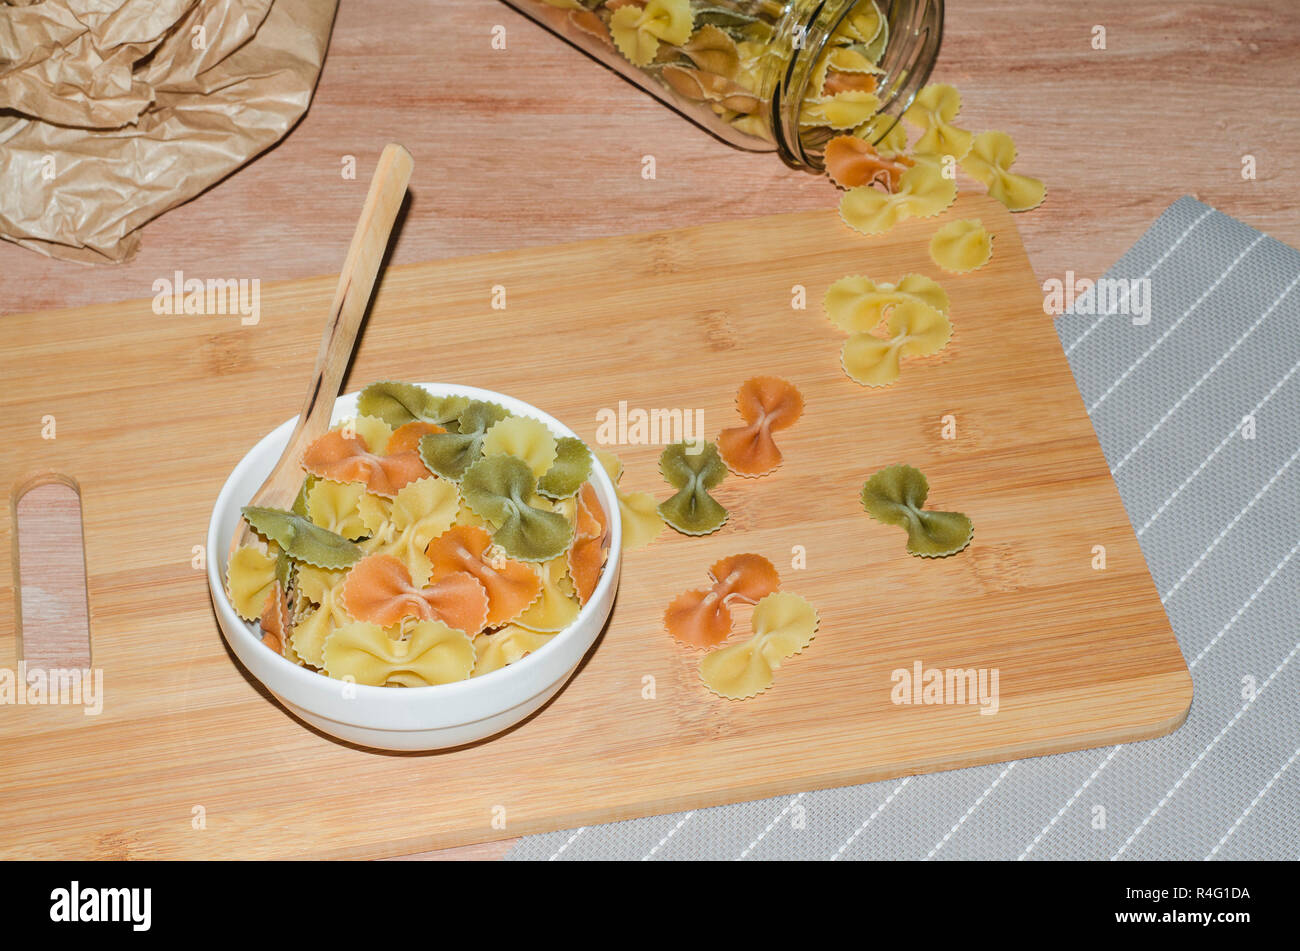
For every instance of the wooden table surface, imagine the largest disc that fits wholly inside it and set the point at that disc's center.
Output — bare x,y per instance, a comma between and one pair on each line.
536,144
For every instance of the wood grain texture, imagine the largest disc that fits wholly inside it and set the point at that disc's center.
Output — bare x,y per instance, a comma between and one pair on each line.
537,144
674,319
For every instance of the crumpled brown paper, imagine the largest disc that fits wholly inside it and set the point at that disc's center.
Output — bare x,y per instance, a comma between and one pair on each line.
114,111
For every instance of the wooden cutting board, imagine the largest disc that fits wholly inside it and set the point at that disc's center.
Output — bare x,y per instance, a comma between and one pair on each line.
153,411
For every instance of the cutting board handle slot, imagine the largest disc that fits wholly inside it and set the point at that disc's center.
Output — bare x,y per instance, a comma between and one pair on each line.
51,606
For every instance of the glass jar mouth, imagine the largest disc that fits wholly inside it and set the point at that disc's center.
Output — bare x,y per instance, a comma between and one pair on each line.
915,34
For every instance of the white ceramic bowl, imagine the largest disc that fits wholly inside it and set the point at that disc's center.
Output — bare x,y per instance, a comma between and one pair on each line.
407,718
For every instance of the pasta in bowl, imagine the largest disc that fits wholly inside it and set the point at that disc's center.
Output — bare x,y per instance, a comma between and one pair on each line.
452,556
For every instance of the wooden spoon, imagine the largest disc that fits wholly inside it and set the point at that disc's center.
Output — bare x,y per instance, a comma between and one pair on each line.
356,281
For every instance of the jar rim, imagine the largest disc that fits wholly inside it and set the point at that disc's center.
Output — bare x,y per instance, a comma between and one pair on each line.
909,73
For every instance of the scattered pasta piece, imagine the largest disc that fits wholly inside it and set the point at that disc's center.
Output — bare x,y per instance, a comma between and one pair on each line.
767,404
703,618
524,438
379,590
511,585
932,111
591,533
961,246
504,647
250,574
852,162
895,495
859,304
449,454
400,403
555,608
346,458
914,329
569,471
692,469
784,624
989,161
432,653
637,30
923,192
638,511
499,489
302,540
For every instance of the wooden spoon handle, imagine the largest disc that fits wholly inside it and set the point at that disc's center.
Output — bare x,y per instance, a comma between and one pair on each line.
356,281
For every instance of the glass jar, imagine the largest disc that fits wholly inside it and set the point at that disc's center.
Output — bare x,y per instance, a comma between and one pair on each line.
780,76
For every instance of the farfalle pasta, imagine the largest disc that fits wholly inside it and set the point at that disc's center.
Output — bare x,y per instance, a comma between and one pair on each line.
389,571
347,458
858,304
895,496
767,404
422,655
961,246
923,192
638,511
380,590
692,469
783,625
933,111
511,585
504,647
913,329
590,545
912,312
989,161
852,162
702,617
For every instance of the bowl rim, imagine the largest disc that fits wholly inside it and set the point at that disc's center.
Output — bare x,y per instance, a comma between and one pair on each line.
502,680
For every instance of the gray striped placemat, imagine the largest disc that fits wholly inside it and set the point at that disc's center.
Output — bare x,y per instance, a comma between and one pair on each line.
1188,359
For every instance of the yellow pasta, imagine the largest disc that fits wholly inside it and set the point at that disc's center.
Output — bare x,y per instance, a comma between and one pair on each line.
923,192
961,246
637,30
335,506
893,143
915,329
932,111
846,110
526,438
555,608
505,647
989,161
321,588
250,573
431,653
783,624
638,511
421,512
375,512
858,304
372,430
